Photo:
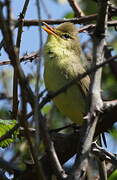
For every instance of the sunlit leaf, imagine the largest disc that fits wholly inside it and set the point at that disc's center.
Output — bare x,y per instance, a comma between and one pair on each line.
46,109
113,176
113,132
5,127
69,15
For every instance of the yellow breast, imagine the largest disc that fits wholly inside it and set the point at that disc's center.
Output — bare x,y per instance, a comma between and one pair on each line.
71,102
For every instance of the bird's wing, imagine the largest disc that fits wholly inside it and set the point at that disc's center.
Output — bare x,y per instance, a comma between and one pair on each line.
84,83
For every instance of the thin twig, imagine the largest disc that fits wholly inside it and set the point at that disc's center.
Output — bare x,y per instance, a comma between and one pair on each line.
102,170
9,133
37,84
12,53
1,44
9,48
76,9
18,43
82,20
24,123
103,154
56,166
28,57
5,96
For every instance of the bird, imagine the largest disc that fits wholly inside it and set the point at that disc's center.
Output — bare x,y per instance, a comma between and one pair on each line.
64,60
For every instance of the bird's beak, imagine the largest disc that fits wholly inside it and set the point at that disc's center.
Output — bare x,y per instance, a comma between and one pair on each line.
49,29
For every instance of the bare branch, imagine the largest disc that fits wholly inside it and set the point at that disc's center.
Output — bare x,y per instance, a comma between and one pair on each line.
81,20
76,9
102,170
103,154
28,57
96,103
56,166
9,48
18,42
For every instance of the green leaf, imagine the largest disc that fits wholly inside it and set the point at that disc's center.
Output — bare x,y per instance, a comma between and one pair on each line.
113,132
69,15
46,109
5,127
113,176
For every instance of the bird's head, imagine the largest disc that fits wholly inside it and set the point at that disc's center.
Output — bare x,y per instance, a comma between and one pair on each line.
64,36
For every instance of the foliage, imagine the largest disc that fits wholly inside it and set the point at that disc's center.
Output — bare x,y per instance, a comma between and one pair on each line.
21,152
5,127
113,176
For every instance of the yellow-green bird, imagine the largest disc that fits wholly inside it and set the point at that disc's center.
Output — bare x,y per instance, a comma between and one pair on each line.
64,61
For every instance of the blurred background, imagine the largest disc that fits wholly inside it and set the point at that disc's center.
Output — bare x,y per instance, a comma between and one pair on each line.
50,9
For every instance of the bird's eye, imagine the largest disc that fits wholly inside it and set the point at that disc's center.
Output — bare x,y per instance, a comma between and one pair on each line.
66,36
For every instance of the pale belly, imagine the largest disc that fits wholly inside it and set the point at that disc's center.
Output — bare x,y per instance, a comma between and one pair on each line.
71,102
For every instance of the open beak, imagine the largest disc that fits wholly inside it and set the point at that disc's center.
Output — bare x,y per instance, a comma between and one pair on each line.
49,29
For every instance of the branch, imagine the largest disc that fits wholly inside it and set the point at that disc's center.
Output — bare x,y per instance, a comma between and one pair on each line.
76,9
24,123
64,142
28,57
9,133
36,116
50,96
50,149
96,103
102,170
102,154
35,22
9,48
18,43
5,96
12,53
82,20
